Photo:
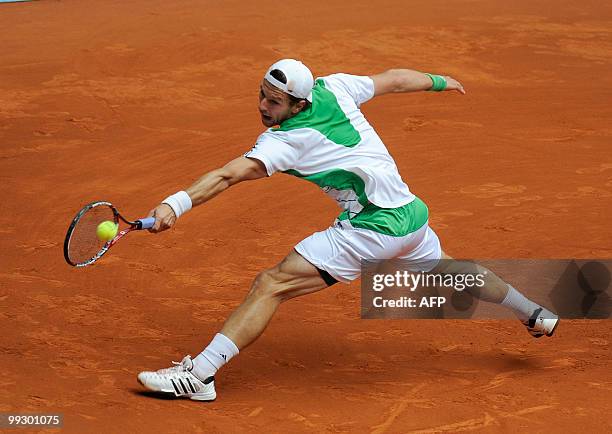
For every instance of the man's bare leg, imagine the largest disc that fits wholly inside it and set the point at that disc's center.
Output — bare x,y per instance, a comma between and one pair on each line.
494,289
292,277
539,320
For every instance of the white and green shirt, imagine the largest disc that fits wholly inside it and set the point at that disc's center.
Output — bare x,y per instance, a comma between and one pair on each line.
333,145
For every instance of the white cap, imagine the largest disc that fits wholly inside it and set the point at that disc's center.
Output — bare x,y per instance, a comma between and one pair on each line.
299,78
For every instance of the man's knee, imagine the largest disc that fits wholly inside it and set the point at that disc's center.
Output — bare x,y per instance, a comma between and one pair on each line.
292,277
267,283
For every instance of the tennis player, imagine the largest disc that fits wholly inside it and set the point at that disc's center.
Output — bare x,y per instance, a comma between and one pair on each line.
317,132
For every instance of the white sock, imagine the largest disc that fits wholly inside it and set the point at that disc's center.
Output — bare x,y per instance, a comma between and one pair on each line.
220,351
521,305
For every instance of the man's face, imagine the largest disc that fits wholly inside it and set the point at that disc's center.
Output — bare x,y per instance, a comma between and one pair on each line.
275,105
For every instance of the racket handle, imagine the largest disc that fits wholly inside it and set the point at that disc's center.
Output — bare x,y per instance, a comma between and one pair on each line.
146,223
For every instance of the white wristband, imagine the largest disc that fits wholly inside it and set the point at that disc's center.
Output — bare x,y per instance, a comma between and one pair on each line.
179,202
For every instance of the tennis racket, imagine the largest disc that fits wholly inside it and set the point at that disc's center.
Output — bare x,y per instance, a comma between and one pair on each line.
82,246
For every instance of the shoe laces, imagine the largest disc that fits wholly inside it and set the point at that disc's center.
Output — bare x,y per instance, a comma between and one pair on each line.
182,366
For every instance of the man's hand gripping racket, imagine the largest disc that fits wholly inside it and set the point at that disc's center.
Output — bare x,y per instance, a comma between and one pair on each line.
82,245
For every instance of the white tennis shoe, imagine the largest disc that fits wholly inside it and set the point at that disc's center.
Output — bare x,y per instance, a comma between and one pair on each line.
179,380
542,322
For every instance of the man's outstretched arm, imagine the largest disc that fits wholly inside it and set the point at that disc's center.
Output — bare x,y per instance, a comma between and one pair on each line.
407,80
204,189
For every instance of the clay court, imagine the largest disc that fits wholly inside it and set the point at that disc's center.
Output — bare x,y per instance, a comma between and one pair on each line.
132,101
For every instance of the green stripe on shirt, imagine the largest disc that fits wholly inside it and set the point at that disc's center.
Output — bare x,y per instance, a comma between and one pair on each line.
397,222
326,116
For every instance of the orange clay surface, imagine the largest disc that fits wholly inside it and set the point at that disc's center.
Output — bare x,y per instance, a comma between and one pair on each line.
129,101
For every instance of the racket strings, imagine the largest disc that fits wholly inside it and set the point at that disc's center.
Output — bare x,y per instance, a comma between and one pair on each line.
84,243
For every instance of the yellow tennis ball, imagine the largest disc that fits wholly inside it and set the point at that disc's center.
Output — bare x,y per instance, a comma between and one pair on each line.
107,230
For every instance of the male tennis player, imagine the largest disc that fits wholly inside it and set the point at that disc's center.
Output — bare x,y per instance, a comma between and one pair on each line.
317,132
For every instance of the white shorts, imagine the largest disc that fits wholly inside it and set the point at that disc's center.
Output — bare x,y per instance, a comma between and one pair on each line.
340,249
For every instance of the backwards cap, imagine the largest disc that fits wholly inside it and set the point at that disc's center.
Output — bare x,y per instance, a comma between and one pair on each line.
299,81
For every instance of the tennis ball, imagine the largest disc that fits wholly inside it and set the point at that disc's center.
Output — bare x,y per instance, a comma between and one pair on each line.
107,230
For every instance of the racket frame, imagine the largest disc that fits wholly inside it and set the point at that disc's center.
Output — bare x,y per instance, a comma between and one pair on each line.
133,226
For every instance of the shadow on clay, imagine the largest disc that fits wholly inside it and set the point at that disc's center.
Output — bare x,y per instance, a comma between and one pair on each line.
156,395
